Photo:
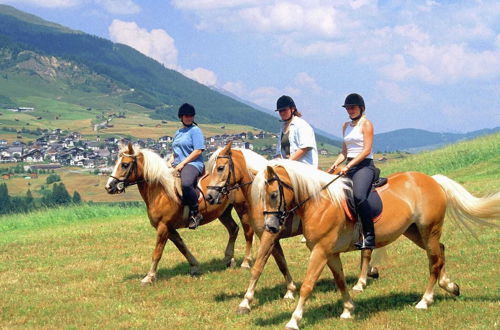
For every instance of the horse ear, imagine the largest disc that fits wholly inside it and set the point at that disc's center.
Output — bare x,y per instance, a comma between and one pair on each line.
270,172
130,148
227,148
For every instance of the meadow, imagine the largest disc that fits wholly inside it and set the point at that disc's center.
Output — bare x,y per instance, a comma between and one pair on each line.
81,267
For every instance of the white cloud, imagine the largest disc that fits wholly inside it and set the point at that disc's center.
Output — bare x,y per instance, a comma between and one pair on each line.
201,75
236,87
443,64
304,80
393,92
119,7
157,43
213,4
46,3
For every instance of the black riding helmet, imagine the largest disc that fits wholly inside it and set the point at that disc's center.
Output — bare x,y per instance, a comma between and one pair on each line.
284,102
354,99
186,109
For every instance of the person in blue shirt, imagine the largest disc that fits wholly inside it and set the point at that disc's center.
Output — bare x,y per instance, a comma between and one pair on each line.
187,158
296,140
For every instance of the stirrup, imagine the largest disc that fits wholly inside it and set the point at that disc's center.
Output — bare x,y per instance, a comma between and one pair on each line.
365,244
194,220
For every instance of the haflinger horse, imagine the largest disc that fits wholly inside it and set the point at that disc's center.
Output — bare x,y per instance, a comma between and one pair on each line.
160,189
231,168
415,205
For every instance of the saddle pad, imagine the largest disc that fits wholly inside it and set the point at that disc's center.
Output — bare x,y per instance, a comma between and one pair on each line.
373,200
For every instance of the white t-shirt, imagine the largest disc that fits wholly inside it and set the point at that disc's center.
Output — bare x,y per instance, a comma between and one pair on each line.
301,135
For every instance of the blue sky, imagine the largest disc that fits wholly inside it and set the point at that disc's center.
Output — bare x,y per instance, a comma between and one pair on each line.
433,65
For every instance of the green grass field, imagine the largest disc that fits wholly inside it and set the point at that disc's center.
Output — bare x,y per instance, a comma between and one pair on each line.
81,267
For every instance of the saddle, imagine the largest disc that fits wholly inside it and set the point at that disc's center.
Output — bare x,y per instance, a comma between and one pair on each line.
373,199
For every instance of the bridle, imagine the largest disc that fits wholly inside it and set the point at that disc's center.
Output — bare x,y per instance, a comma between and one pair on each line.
124,183
228,187
282,213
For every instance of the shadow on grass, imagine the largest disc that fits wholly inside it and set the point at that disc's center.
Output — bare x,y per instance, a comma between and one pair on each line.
365,308
183,268
269,294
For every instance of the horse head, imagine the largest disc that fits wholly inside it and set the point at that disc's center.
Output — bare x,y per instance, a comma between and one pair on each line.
278,195
222,175
127,171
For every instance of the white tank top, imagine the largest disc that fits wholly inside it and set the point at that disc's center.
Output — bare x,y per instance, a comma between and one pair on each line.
354,141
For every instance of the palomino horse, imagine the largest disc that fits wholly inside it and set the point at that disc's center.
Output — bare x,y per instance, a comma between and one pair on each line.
415,205
236,168
160,189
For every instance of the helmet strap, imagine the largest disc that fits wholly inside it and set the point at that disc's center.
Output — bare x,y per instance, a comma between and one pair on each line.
358,117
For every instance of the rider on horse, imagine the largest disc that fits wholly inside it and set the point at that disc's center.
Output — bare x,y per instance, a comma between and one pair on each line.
187,147
357,151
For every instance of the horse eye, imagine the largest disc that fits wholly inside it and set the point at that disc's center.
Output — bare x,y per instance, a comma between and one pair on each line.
274,195
220,168
125,165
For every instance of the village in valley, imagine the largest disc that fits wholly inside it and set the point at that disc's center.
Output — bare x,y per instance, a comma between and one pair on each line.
60,148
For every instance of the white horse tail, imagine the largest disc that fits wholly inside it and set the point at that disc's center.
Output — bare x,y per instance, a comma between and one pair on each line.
463,206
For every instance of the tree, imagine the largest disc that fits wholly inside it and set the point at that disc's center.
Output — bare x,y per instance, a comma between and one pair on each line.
60,195
4,198
77,199
29,197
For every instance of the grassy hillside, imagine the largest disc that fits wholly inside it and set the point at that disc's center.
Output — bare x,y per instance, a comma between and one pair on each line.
475,162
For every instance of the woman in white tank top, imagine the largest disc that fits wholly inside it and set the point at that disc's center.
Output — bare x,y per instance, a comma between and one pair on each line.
357,152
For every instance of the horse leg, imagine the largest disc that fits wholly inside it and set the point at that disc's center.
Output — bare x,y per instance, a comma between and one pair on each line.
181,246
248,231
363,274
430,237
317,262
232,228
335,265
266,247
444,282
162,234
279,257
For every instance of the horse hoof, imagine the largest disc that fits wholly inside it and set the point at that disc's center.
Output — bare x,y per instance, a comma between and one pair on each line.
231,263
373,273
456,290
243,310
346,316
148,280
357,289
195,272
245,265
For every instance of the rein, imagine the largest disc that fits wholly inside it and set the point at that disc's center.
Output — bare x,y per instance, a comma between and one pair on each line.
282,213
124,183
227,187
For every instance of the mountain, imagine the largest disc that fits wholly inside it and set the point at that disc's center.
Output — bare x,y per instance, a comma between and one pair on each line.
414,140
89,72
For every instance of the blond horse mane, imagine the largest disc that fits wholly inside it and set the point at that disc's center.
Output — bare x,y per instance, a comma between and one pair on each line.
254,161
306,181
155,169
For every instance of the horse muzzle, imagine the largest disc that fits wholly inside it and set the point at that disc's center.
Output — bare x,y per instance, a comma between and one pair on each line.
213,197
115,187
272,224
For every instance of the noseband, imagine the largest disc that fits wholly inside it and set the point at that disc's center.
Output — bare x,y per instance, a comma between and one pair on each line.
124,183
227,187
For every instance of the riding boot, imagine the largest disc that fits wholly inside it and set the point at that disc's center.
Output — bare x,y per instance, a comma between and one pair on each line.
195,218
366,217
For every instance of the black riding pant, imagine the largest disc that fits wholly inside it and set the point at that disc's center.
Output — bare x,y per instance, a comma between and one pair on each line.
362,176
189,180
